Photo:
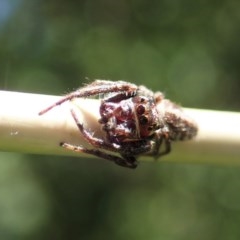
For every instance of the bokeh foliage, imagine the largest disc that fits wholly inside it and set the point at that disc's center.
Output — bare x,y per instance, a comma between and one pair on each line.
187,49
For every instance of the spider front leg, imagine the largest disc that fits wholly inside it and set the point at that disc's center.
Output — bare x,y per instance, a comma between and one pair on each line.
96,142
124,162
96,87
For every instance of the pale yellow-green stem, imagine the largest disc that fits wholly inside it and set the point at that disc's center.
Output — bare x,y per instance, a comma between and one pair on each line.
23,130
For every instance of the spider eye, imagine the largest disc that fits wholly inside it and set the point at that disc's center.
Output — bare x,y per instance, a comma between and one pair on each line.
143,120
140,109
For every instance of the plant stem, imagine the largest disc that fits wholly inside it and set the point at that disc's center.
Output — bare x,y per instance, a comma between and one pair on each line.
23,130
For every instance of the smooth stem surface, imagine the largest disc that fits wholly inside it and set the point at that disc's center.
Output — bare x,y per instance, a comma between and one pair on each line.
23,130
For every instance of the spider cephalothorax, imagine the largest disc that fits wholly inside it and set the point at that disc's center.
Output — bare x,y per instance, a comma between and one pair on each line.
136,121
128,119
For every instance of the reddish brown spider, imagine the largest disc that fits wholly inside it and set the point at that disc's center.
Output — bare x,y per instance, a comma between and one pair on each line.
136,121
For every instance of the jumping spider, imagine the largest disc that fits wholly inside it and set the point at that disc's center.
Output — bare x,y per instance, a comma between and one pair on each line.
135,120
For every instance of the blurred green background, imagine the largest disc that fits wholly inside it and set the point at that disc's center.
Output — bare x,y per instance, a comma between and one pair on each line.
187,49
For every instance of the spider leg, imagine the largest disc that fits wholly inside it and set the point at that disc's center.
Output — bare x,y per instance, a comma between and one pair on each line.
97,87
158,143
124,162
135,148
105,86
96,142
167,148
121,96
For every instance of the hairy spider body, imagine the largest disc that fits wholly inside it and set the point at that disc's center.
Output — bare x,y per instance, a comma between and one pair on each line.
130,119
135,120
